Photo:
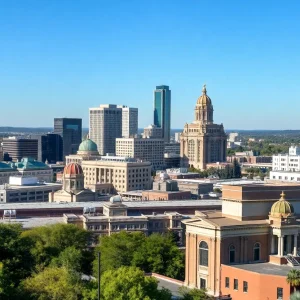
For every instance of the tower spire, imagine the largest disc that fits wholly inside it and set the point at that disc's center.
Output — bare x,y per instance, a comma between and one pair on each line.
204,89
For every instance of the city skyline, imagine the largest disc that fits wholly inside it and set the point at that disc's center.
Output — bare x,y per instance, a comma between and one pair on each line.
246,53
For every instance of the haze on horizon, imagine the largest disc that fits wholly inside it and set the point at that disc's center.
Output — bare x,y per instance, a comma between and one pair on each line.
59,58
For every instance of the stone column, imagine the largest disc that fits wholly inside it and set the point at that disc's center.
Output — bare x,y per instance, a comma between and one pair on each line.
273,244
245,252
280,245
295,244
109,175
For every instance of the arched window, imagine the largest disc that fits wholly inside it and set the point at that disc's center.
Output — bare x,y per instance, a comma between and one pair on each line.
231,254
256,252
203,254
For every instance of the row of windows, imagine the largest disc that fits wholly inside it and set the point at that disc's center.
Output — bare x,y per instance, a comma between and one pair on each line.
245,287
203,253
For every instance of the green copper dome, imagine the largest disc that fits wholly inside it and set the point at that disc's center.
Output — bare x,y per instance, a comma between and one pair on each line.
88,146
282,208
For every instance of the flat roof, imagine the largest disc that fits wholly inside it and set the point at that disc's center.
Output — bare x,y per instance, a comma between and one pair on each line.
129,204
33,222
266,268
28,186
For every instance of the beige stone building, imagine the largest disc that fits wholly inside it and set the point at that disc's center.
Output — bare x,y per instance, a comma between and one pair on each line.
202,141
144,149
125,174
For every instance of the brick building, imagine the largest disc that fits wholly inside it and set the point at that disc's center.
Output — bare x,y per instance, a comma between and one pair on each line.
252,242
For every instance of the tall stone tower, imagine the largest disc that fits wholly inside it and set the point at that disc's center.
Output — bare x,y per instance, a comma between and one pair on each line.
202,141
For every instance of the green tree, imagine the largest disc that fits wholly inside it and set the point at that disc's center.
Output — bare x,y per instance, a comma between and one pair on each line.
295,296
118,250
53,284
293,278
160,254
50,241
16,261
236,169
194,294
130,283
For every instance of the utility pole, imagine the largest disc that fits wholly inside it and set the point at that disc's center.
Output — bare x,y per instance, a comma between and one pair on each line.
99,275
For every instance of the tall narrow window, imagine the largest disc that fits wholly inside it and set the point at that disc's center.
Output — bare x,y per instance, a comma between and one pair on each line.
279,293
227,282
256,252
235,284
202,283
231,254
245,286
203,253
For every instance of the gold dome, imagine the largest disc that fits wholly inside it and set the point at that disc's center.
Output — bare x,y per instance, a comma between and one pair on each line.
282,208
204,100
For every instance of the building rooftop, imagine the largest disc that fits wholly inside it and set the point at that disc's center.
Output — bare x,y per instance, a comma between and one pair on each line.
266,268
129,204
28,163
33,222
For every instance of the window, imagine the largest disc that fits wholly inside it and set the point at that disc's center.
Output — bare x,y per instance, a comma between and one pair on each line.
245,286
203,253
227,282
279,293
202,283
231,254
235,284
256,252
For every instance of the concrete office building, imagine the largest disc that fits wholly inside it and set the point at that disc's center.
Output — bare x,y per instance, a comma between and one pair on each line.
152,131
105,127
129,121
50,147
162,110
70,129
125,174
203,141
287,162
26,189
18,147
151,150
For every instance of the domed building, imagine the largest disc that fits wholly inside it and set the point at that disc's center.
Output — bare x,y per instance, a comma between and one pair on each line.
73,186
202,141
87,150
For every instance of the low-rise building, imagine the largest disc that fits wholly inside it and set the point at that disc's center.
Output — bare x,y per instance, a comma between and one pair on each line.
284,176
151,150
195,187
125,174
171,160
252,242
153,132
178,173
115,218
25,167
26,189
165,195
287,162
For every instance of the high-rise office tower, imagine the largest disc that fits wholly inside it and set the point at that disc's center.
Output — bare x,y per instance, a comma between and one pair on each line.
50,147
162,110
129,121
18,148
70,129
105,127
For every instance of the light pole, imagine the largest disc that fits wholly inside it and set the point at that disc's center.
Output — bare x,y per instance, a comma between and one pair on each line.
99,275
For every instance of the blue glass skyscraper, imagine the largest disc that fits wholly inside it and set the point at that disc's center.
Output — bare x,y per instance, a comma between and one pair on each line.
162,110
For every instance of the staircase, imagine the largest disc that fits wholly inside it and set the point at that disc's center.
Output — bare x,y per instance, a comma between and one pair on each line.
292,260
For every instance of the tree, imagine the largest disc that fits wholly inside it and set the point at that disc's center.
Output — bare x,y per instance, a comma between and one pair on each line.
130,283
160,254
236,169
293,278
295,296
50,241
194,294
118,250
53,284
16,260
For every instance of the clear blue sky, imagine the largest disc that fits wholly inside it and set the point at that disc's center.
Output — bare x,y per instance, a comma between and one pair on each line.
60,57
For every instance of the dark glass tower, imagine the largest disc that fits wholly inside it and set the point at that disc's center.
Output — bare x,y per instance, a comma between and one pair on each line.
162,110
71,132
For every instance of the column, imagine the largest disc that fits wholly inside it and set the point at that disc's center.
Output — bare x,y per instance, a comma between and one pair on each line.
295,244
246,253
280,245
273,245
109,176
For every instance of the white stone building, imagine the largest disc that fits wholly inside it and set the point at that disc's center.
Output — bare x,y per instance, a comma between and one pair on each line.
287,162
129,121
152,131
151,150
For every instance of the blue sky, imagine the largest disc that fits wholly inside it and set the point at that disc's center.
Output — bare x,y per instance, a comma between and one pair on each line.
60,57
